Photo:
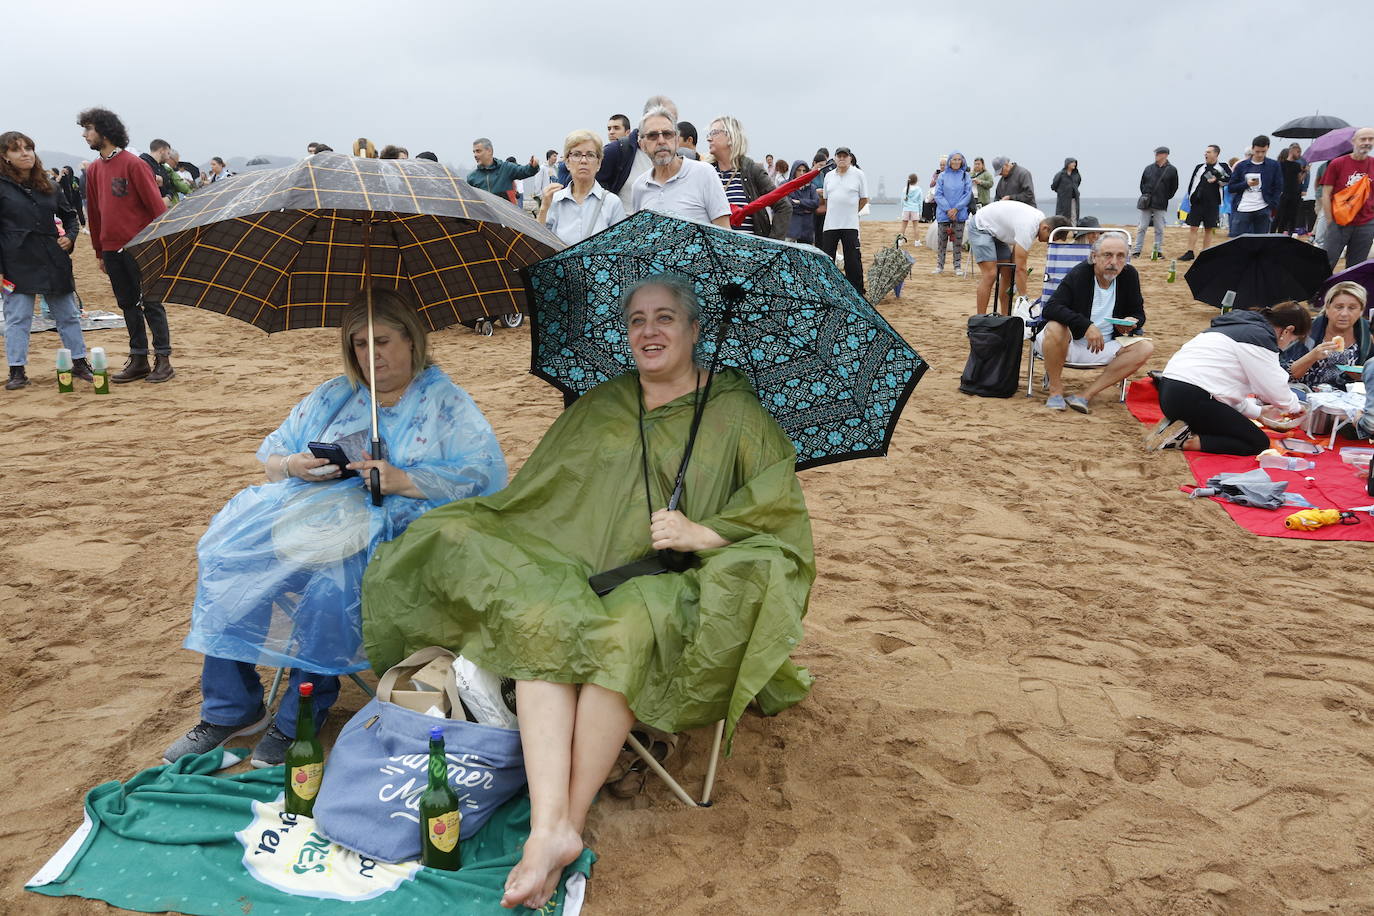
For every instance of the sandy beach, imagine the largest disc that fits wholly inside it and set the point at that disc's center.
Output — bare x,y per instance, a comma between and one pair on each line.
1046,682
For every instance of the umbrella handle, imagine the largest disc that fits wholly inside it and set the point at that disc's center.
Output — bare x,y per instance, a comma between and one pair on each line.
374,475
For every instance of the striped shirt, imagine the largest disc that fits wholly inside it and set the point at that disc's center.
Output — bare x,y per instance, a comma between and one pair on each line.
734,193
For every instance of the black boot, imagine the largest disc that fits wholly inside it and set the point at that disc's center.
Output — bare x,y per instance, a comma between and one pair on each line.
82,370
17,378
135,369
162,369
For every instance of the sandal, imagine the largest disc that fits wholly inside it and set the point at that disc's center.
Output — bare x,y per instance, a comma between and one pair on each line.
629,773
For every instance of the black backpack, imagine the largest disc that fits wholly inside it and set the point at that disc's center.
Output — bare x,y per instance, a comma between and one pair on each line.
993,369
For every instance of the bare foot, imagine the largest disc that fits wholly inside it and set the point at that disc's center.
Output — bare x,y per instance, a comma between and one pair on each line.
535,877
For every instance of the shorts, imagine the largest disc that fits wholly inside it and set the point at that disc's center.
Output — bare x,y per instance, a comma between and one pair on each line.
1080,355
984,245
914,215
1206,215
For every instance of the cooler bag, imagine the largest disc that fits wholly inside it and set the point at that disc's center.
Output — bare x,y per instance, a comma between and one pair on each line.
374,776
993,369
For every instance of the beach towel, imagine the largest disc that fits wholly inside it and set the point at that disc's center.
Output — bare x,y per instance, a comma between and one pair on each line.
180,838
1332,484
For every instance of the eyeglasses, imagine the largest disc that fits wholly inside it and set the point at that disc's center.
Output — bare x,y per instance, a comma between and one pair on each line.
660,135
582,157
717,132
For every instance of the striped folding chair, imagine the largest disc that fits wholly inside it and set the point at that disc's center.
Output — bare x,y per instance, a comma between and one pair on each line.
1063,257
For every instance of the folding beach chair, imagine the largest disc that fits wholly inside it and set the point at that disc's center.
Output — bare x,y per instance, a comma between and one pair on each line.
658,769
1062,258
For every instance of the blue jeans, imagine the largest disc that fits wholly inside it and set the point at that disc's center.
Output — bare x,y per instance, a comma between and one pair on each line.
19,319
232,694
1251,222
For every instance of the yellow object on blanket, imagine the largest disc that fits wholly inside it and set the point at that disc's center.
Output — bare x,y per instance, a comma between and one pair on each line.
1312,519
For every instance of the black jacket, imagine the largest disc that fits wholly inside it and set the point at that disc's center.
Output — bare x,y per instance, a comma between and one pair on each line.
29,255
1160,182
756,184
1072,302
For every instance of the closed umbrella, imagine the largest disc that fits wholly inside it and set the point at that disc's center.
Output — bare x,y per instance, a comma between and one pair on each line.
1310,126
1261,269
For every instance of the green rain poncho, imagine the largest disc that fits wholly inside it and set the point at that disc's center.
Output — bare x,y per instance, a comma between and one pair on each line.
503,578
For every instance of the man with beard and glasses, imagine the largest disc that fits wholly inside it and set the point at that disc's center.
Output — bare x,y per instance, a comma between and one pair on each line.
122,198
676,186
1079,326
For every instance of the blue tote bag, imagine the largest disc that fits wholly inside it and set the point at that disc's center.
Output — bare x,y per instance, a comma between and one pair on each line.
370,795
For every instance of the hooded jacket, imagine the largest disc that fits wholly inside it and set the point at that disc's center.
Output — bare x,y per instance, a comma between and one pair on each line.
29,255
1235,358
953,190
802,225
1065,185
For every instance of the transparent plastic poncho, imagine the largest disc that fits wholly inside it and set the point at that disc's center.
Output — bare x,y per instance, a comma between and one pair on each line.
281,566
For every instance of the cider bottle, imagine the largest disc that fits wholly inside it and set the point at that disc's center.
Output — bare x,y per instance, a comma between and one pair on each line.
440,820
1173,271
100,369
304,758
64,370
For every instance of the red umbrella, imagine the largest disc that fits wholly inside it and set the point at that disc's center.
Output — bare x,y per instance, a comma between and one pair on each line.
739,214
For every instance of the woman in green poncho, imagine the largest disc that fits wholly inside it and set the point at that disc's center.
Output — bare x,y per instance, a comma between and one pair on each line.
503,578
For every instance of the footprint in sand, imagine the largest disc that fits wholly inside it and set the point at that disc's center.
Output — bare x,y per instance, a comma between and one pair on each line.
1044,700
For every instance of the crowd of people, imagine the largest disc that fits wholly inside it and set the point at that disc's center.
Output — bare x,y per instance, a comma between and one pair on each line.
272,590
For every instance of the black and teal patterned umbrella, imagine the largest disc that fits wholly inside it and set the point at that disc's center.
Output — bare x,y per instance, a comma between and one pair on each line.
823,361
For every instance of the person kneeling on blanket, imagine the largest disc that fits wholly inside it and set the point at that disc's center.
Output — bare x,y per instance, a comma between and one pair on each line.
1223,379
1079,326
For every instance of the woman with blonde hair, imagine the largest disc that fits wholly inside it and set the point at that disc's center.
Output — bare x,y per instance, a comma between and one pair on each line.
583,208
281,566
1340,336
744,179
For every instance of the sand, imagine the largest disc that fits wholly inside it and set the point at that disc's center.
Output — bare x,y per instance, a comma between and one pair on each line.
1046,682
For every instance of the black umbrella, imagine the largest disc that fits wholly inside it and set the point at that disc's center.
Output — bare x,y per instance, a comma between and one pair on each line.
1310,126
1260,269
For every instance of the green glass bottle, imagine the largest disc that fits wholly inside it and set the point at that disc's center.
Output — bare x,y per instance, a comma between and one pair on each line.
440,820
304,758
1173,271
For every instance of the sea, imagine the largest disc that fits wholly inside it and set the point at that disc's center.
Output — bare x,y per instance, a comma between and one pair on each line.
1110,211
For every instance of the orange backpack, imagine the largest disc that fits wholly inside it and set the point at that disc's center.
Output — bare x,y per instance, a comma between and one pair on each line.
1347,202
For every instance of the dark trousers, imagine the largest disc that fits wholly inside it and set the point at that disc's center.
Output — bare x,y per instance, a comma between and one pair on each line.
818,223
127,283
1222,429
853,258
232,694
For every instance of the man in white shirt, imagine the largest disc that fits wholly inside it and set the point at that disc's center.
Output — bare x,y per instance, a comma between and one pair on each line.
676,186
1004,231
845,193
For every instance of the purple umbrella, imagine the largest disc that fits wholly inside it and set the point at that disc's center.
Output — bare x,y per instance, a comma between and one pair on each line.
1330,145
1362,273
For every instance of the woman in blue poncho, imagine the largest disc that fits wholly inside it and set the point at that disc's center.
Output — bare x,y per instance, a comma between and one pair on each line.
281,566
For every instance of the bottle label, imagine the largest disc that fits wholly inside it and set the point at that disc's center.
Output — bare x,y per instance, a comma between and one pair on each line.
305,780
64,379
443,831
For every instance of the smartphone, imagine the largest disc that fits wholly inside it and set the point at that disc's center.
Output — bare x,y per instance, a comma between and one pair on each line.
335,455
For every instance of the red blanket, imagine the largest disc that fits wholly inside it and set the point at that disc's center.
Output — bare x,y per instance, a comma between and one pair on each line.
1332,484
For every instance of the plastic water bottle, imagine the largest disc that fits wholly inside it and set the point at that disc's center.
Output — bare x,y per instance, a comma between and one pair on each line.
1286,463
1228,301
1173,271
100,369
64,370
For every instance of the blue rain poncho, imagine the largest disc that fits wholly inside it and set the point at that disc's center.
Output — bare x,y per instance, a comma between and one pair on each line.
281,565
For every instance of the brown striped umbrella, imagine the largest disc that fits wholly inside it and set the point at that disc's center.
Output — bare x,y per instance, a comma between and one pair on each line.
286,248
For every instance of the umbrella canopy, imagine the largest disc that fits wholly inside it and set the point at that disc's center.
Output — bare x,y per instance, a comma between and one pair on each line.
284,248
889,270
1362,273
1310,126
1331,144
1261,269
824,363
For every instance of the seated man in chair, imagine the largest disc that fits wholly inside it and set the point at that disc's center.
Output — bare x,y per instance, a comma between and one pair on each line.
1080,329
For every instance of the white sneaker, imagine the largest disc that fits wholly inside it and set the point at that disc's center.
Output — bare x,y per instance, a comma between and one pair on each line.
938,270
959,272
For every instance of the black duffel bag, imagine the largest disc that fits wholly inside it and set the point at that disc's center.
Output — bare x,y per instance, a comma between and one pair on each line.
993,369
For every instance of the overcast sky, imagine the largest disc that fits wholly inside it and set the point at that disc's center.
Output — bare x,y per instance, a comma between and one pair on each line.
900,83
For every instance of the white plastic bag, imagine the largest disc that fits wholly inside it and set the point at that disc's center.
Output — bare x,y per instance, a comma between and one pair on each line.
480,691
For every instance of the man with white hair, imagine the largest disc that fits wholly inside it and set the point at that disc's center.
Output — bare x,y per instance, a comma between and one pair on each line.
1345,175
676,186
1097,300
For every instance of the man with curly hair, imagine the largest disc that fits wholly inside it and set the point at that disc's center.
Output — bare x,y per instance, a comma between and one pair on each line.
121,199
